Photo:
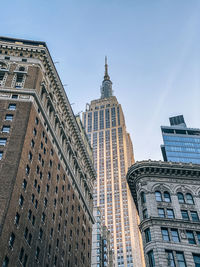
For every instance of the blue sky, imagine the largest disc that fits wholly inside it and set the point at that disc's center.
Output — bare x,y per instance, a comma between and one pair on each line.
153,49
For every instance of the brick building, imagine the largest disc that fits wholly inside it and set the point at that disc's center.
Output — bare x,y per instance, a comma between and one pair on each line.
167,196
46,171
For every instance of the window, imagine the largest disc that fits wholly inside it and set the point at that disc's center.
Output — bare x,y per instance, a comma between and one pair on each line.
21,254
21,200
6,129
17,217
161,213
27,169
1,154
30,156
9,117
170,213
143,197
189,199
198,237
185,215
158,196
194,216
175,235
147,235
196,258
151,259
25,260
29,239
12,106
14,96
181,199
3,141
170,259
167,197
180,259
11,240
145,214
24,184
32,143
5,262
190,237
37,253
165,234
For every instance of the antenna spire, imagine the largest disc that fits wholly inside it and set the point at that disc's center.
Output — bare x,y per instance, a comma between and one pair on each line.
106,76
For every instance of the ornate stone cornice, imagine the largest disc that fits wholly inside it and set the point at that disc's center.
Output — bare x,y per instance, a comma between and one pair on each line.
39,50
162,170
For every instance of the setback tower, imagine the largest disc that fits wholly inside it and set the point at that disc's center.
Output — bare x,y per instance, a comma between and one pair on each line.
113,154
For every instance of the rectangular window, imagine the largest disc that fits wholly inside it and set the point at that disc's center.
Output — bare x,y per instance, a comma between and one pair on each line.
12,106
190,237
165,234
170,258
2,75
185,215
9,117
3,141
194,216
118,115
175,235
196,258
180,259
145,214
5,129
198,237
1,154
161,213
151,259
147,235
170,213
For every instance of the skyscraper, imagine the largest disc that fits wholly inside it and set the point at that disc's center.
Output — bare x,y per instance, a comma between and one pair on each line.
46,169
181,144
112,149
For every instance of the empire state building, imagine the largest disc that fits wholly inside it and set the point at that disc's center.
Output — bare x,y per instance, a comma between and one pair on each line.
113,155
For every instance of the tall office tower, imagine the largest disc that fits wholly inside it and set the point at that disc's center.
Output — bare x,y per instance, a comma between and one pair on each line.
181,144
167,197
46,170
112,149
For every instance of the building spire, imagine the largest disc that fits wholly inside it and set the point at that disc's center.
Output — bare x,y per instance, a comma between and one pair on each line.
106,76
106,88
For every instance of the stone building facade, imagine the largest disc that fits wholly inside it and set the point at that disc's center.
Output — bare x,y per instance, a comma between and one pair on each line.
167,196
46,171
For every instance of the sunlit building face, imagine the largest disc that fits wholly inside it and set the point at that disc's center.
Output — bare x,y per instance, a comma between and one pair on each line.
113,154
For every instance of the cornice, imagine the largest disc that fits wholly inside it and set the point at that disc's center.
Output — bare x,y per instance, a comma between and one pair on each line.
162,170
40,50
179,223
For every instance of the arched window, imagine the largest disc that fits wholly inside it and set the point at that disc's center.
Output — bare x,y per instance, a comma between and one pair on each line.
189,199
158,196
143,197
167,197
180,198
21,69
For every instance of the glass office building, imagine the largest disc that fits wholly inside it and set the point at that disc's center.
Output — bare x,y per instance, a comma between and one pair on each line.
181,144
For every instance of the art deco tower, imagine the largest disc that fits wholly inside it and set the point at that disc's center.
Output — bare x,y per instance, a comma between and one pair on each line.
113,154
